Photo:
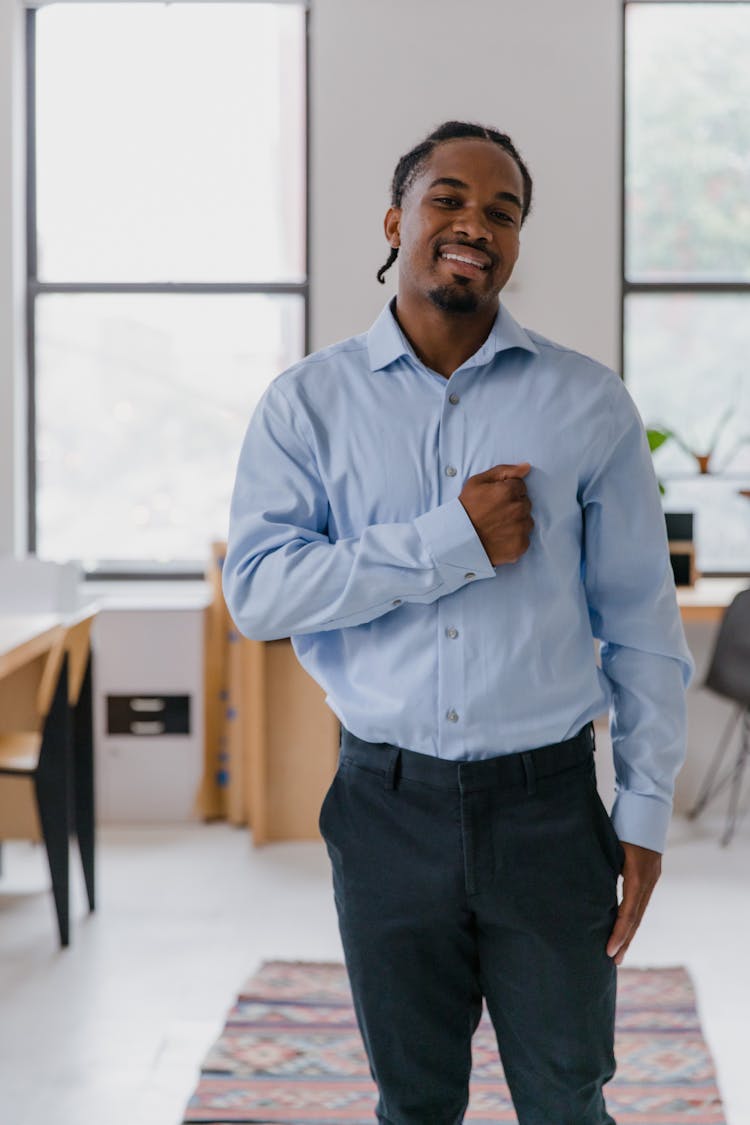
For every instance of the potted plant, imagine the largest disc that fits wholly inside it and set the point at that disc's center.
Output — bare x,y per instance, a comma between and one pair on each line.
658,435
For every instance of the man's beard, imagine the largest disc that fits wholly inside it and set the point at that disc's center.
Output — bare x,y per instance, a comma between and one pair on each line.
451,298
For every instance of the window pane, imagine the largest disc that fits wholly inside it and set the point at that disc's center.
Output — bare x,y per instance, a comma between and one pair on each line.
686,367
688,140
170,142
143,401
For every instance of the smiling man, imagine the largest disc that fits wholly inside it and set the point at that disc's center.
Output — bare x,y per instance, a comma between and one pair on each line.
443,513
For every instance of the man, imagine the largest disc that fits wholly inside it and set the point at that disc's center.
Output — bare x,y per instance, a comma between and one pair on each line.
443,513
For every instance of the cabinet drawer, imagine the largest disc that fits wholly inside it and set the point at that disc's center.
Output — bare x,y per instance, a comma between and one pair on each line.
148,715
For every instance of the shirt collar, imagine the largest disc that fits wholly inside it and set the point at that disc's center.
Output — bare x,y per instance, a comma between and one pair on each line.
386,342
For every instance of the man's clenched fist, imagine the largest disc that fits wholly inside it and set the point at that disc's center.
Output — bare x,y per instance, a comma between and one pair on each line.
498,505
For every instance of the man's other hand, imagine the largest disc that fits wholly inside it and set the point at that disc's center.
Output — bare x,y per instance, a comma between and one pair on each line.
640,875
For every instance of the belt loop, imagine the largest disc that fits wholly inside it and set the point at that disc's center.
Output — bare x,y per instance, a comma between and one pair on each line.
528,769
391,773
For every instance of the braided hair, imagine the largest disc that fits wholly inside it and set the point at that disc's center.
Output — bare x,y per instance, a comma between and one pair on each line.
412,163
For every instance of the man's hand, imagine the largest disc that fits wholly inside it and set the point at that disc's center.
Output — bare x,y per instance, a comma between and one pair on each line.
497,504
639,877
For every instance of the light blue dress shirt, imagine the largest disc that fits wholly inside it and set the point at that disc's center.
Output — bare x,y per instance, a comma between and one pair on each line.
347,535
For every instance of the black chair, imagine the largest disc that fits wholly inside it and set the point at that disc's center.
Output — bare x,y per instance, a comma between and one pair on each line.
729,676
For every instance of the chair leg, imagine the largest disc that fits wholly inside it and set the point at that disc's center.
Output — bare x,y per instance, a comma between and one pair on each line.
83,773
52,784
739,768
710,787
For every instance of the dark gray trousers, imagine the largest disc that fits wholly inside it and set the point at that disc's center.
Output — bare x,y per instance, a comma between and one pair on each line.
458,880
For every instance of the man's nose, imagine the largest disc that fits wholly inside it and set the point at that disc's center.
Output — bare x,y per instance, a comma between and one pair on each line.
472,224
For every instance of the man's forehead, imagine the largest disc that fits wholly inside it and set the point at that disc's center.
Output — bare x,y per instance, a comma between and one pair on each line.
467,159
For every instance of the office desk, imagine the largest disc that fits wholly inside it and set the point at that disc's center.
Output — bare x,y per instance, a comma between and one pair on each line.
707,600
25,640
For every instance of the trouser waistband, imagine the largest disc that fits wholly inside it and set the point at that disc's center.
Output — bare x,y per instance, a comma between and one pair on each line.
505,771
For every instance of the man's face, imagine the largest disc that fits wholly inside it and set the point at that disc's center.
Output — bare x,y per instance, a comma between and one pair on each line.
458,227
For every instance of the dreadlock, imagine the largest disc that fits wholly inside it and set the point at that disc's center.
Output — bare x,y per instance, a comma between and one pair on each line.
412,163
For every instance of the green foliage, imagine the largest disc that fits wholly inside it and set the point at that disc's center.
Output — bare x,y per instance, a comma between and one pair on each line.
656,438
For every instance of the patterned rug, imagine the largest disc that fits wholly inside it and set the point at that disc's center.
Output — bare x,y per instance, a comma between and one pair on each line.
290,1052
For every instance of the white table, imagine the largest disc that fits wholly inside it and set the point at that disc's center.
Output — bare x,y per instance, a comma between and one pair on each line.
707,600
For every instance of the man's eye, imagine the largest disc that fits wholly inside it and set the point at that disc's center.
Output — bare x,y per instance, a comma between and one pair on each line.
445,199
504,216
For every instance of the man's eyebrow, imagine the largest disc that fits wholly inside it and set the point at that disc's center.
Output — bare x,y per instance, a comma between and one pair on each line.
451,181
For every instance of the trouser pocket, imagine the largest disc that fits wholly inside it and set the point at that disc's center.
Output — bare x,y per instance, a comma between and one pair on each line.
606,834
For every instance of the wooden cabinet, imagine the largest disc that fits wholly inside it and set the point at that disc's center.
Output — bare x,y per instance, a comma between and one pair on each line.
291,741
271,740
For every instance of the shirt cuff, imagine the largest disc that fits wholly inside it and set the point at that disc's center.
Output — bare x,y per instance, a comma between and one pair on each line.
641,820
453,543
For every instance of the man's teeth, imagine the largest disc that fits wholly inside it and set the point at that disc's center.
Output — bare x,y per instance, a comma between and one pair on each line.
469,261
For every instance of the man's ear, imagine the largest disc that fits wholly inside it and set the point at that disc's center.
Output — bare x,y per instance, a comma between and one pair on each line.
392,226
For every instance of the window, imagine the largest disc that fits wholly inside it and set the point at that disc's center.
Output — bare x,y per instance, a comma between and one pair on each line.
167,266
686,291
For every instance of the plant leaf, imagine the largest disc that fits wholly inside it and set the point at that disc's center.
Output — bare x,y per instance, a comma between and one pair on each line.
657,438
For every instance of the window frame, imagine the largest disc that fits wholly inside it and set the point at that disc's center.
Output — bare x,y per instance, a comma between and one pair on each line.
628,287
145,570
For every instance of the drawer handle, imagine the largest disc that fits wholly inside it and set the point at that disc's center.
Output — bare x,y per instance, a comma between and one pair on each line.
144,727
147,704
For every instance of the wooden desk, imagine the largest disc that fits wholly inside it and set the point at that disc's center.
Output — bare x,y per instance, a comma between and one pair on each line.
25,640
707,600
24,644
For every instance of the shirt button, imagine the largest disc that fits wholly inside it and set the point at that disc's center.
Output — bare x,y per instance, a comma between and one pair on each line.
453,399
397,601
470,574
451,716
450,471
452,633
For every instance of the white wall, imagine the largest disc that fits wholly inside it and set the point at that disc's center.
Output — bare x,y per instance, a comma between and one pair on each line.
385,72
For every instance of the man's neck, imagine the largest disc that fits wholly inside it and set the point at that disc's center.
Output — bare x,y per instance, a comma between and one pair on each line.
441,340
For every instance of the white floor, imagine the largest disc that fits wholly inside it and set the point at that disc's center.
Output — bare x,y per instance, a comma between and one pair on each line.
113,1029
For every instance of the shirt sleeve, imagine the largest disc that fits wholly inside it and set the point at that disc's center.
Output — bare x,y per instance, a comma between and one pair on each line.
283,576
633,610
